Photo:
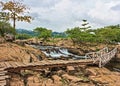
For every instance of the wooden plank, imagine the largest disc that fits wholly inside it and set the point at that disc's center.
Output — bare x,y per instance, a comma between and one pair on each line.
48,62
55,62
42,63
29,64
58,62
38,64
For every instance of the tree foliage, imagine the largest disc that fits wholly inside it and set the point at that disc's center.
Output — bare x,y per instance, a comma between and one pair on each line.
79,36
5,27
16,11
43,33
109,34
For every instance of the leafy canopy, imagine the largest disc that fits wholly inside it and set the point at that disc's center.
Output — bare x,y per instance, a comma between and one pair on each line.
109,34
5,27
17,11
79,36
43,33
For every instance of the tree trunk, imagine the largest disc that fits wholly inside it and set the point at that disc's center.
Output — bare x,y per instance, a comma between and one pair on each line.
14,20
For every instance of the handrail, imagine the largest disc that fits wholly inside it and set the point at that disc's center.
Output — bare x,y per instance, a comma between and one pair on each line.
102,56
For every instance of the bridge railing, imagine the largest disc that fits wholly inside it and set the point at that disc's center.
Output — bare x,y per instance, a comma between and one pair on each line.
95,55
102,56
105,58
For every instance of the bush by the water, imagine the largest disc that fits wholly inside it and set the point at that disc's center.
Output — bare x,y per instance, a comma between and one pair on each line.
23,36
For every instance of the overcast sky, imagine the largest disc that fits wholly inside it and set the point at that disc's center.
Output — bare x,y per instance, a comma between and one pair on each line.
59,15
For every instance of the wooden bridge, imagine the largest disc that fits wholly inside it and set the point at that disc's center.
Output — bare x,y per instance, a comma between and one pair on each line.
100,57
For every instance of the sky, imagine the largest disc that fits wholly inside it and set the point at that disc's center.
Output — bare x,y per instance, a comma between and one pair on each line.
59,15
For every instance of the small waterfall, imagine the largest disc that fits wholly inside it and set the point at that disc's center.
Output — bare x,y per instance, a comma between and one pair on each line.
65,51
57,52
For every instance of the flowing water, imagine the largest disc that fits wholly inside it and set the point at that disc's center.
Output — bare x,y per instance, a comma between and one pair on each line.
57,52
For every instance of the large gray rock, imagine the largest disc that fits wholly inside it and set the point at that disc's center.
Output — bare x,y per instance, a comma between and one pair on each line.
9,37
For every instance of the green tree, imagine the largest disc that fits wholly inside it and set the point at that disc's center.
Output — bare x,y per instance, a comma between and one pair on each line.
81,34
74,34
109,34
5,27
16,11
43,33
80,37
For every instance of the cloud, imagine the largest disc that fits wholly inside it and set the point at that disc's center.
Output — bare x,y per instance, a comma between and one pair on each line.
103,14
41,3
59,15
116,7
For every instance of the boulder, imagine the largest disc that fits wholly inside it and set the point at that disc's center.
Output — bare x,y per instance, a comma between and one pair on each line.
36,79
49,82
91,72
60,72
72,78
9,37
70,69
56,78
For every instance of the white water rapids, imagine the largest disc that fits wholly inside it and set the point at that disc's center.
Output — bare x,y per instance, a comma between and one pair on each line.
57,52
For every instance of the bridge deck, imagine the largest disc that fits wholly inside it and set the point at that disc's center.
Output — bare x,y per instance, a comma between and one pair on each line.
13,66
43,64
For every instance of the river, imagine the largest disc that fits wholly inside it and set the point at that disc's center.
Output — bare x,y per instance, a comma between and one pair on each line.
57,52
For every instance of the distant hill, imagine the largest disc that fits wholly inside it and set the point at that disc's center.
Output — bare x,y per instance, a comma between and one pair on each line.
29,32
59,34
23,31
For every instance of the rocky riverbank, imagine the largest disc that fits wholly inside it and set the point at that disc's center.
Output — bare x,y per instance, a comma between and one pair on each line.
69,76
15,52
63,76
